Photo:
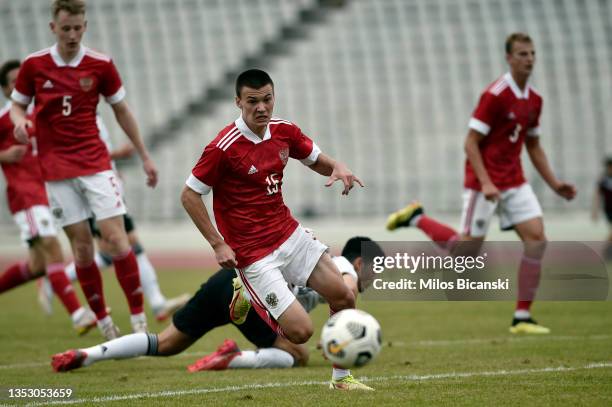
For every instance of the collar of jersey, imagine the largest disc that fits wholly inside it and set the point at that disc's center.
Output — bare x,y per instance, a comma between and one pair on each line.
248,133
514,87
73,63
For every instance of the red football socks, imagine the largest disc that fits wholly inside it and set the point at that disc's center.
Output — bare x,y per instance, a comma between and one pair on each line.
528,279
91,284
440,233
62,287
14,276
126,269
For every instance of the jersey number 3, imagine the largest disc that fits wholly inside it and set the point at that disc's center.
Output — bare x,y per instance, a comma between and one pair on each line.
272,184
515,134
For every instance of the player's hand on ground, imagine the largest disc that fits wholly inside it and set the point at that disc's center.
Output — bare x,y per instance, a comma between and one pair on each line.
151,171
14,153
490,192
342,173
567,191
21,131
225,256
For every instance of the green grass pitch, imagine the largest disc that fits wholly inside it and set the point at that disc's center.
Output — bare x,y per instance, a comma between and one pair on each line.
435,353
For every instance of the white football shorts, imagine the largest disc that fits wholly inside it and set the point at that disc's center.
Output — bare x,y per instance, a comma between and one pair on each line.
34,222
515,206
293,262
76,199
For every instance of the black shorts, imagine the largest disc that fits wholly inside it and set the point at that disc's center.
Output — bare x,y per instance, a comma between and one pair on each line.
209,309
127,221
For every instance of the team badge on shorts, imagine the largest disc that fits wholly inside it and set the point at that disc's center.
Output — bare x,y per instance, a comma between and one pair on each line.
272,300
86,83
284,155
57,212
480,223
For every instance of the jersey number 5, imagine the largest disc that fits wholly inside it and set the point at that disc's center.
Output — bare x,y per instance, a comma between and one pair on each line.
66,105
272,184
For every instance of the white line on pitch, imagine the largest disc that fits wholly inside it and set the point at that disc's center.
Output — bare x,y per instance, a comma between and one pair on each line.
255,386
451,342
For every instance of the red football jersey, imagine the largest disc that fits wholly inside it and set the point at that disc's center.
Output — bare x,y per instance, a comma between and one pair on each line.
245,174
505,115
24,185
66,97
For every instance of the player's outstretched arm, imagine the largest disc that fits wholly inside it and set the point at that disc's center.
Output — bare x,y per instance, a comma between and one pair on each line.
192,202
472,151
127,121
20,121
336,170
540,162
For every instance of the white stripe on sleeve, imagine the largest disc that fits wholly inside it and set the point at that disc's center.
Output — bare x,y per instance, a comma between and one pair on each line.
314,155
479,126
117,97
534,131
20,97
197,185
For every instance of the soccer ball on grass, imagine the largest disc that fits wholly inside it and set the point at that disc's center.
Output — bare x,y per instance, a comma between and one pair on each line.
351,338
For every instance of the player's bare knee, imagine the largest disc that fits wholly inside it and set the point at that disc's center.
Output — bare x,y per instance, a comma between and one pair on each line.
300,334
83,252
52,249
37,266
117,242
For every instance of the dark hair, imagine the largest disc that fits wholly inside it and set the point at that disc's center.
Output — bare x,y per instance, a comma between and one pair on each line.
7,67
608,160
253,78
352,248
72,7
516,37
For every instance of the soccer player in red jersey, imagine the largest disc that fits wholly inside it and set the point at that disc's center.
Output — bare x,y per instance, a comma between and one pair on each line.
507,116
66,81
28,204
257,236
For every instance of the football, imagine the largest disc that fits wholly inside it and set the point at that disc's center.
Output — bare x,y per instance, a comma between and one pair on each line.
351,338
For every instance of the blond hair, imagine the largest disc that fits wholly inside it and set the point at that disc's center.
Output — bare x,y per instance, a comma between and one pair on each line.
72,7
516,37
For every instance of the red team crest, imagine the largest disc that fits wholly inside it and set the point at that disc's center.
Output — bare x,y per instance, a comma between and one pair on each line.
284,155
86,83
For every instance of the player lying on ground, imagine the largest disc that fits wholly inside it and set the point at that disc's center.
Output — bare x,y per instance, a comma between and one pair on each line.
229,356
220,301
29,206
507,116
243,167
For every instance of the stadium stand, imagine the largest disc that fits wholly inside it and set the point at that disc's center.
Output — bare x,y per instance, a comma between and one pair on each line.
388,86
